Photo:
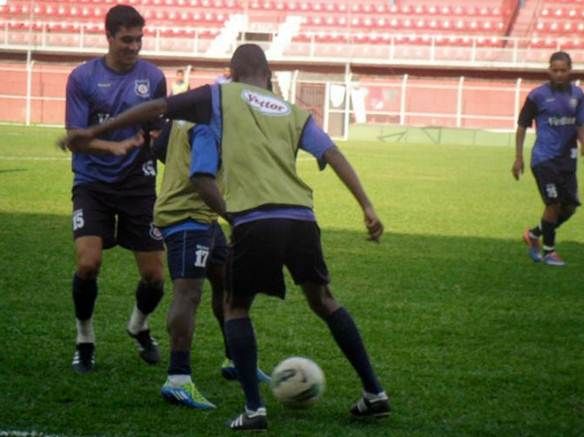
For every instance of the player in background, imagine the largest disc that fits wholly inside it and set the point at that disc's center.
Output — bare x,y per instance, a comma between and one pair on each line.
558,110
113,190
196,249
270,210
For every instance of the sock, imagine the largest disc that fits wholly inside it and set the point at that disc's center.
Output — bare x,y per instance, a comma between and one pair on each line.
180,363
549,236
242,344
148,296
85,331
179,380
138,321
349,340
564,217
535,232
84,296
372,397
225,345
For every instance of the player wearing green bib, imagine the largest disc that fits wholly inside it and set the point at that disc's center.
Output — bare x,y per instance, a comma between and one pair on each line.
196,249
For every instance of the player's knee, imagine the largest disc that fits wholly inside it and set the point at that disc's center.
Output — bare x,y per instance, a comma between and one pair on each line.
88,266
322,305
149,295
188,292
154,274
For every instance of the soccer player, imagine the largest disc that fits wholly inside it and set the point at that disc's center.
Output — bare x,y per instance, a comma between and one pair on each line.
196,248
113,196
270,209
558,109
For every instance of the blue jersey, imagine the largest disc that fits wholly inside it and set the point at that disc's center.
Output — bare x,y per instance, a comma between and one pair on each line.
557,113
95,93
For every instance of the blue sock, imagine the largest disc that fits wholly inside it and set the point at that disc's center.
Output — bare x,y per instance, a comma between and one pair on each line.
242,345
180,363
349,340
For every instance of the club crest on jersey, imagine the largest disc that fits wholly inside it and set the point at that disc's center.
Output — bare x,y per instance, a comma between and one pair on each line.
155,232
267,105
142,88
573,102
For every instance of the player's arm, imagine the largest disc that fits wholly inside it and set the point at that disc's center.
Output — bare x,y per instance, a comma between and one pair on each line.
316,142
580,122
528,113
348,176
193,106
204,168
104,147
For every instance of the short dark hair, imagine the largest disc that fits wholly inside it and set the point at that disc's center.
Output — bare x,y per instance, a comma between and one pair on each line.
561,56
180,70
122,16
249,60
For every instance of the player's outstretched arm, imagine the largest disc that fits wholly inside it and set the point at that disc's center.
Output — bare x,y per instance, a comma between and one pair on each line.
102,147
347,175
518,166
139,114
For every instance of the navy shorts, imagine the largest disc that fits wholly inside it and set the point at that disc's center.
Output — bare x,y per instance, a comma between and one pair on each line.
556,185
118,213
190,252
260,250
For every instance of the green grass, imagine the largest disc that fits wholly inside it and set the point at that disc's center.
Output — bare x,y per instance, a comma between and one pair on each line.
467,334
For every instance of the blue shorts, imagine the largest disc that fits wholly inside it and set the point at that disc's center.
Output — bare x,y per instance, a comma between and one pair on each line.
190,252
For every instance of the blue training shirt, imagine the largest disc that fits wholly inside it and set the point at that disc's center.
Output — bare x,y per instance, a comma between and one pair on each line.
557,113
95,93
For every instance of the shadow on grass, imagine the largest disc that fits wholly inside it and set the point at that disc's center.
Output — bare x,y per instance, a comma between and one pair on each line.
469,336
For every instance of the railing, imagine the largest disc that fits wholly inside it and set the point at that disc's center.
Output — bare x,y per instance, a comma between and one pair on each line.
473,51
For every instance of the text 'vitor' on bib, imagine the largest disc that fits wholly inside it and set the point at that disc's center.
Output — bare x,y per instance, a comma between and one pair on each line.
267,105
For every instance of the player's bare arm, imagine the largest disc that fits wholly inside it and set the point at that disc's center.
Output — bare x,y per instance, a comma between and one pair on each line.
518,165
347,175
207,188
80,138
101,147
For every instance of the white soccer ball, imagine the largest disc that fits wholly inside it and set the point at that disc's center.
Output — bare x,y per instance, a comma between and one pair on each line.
297,382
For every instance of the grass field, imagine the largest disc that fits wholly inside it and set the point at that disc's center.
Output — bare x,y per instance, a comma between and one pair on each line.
468,335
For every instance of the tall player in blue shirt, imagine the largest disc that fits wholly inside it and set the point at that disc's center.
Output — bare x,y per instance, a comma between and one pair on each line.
114,193
558,110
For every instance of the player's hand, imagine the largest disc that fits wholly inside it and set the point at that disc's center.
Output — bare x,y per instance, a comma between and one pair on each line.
373,224
76,139
154,134
517,169
123,147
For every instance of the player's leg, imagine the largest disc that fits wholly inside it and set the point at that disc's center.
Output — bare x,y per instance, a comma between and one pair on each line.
307,266
93,230
548,183
137,233
187,254
254,265
243,347
374,402
216,276
149,292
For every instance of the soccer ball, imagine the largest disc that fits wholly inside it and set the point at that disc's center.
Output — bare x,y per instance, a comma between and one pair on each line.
297,382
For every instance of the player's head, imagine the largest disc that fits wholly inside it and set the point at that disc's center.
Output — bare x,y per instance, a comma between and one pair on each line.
123,28
560,68
249,64
180,74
